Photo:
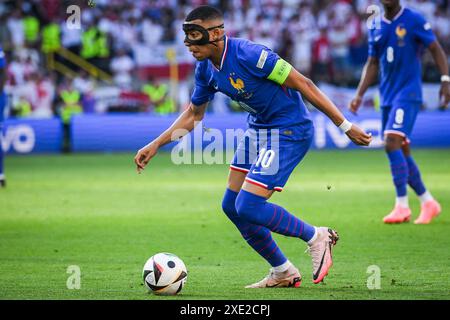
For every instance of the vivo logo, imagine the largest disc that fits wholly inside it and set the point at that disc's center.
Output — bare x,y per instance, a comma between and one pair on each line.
20,138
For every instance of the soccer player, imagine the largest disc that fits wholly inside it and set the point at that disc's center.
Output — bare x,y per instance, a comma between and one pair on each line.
269,89
2,107
395,48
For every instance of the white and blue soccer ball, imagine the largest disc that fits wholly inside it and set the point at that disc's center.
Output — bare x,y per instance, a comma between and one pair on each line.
164,274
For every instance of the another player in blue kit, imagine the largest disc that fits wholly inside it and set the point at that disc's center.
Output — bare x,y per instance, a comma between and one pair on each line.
395,49
2,110
280,133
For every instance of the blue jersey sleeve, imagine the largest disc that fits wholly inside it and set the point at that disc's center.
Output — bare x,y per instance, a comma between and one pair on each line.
202,91
373,45
423,31
2,59
257,59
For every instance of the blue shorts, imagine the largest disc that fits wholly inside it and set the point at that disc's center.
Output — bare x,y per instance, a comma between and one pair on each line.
400,118
268,157
2,105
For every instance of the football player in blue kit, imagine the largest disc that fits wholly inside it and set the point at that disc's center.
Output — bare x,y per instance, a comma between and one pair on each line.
395,50
268,88
2,110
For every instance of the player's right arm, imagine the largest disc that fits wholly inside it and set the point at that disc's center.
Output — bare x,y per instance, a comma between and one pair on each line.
369,77
203,93
181,126
2,70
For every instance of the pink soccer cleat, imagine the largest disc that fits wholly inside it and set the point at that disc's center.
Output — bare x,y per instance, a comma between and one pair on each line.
429,210
321,254
289,278
398,215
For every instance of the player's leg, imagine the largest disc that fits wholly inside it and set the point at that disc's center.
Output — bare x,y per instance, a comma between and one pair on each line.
283,273
2,106
258,237
395,128
252,204
2,175
430,208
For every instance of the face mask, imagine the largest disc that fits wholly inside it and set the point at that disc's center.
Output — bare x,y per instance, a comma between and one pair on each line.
201,35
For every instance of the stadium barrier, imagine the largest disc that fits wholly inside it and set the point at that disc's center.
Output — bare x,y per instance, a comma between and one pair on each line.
129,132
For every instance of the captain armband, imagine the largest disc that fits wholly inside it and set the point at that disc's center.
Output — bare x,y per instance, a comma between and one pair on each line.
280,72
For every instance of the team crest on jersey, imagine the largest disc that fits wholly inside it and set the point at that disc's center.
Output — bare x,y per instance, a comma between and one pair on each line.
401,32
239,85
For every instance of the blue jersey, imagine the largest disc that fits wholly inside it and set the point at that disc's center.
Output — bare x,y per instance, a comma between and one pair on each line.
2,93
398,45
2,59
243,76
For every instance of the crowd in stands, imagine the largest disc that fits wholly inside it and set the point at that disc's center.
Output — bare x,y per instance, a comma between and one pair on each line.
326,40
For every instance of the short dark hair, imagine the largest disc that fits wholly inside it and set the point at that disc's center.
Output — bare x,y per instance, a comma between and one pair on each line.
204,13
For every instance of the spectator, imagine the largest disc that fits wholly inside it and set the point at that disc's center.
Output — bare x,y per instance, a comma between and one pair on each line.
339,40
321,58
122,67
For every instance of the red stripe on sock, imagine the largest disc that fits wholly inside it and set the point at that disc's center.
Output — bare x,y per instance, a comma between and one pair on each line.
260,240
279,221
271,241
259,228
273,216
273,251
301,229
289,223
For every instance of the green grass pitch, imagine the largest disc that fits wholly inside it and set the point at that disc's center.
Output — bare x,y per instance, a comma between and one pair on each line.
94,211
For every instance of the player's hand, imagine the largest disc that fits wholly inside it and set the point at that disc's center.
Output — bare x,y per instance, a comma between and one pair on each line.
355,104
444,94
358,136
144,155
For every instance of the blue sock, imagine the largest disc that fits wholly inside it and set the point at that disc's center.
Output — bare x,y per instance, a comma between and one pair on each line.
257,210
414,178
258,237
1,152
399,170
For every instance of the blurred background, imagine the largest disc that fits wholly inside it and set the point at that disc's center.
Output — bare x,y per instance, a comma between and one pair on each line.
90,65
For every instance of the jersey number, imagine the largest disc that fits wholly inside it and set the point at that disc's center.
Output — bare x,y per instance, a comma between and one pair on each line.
399,115
390,54
265,158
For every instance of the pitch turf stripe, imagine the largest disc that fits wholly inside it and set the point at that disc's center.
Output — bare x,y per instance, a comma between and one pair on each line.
239,169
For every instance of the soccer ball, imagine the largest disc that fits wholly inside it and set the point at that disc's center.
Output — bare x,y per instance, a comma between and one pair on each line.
164,274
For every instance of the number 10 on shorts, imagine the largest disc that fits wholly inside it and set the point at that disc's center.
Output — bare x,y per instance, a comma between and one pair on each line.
265,162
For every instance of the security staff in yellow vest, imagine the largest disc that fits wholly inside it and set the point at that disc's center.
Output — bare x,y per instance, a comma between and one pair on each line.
21,108
31,28
70,107
95,47
71,104
158,93
51,37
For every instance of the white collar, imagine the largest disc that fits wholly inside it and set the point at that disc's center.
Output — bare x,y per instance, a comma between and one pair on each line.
395,18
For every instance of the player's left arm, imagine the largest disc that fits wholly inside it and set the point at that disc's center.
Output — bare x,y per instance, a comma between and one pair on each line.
313,94
2,70
440,59
423,32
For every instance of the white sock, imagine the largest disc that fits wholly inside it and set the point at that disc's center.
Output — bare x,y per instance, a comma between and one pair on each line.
283,267
425,197
402,202
314,236
2,177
